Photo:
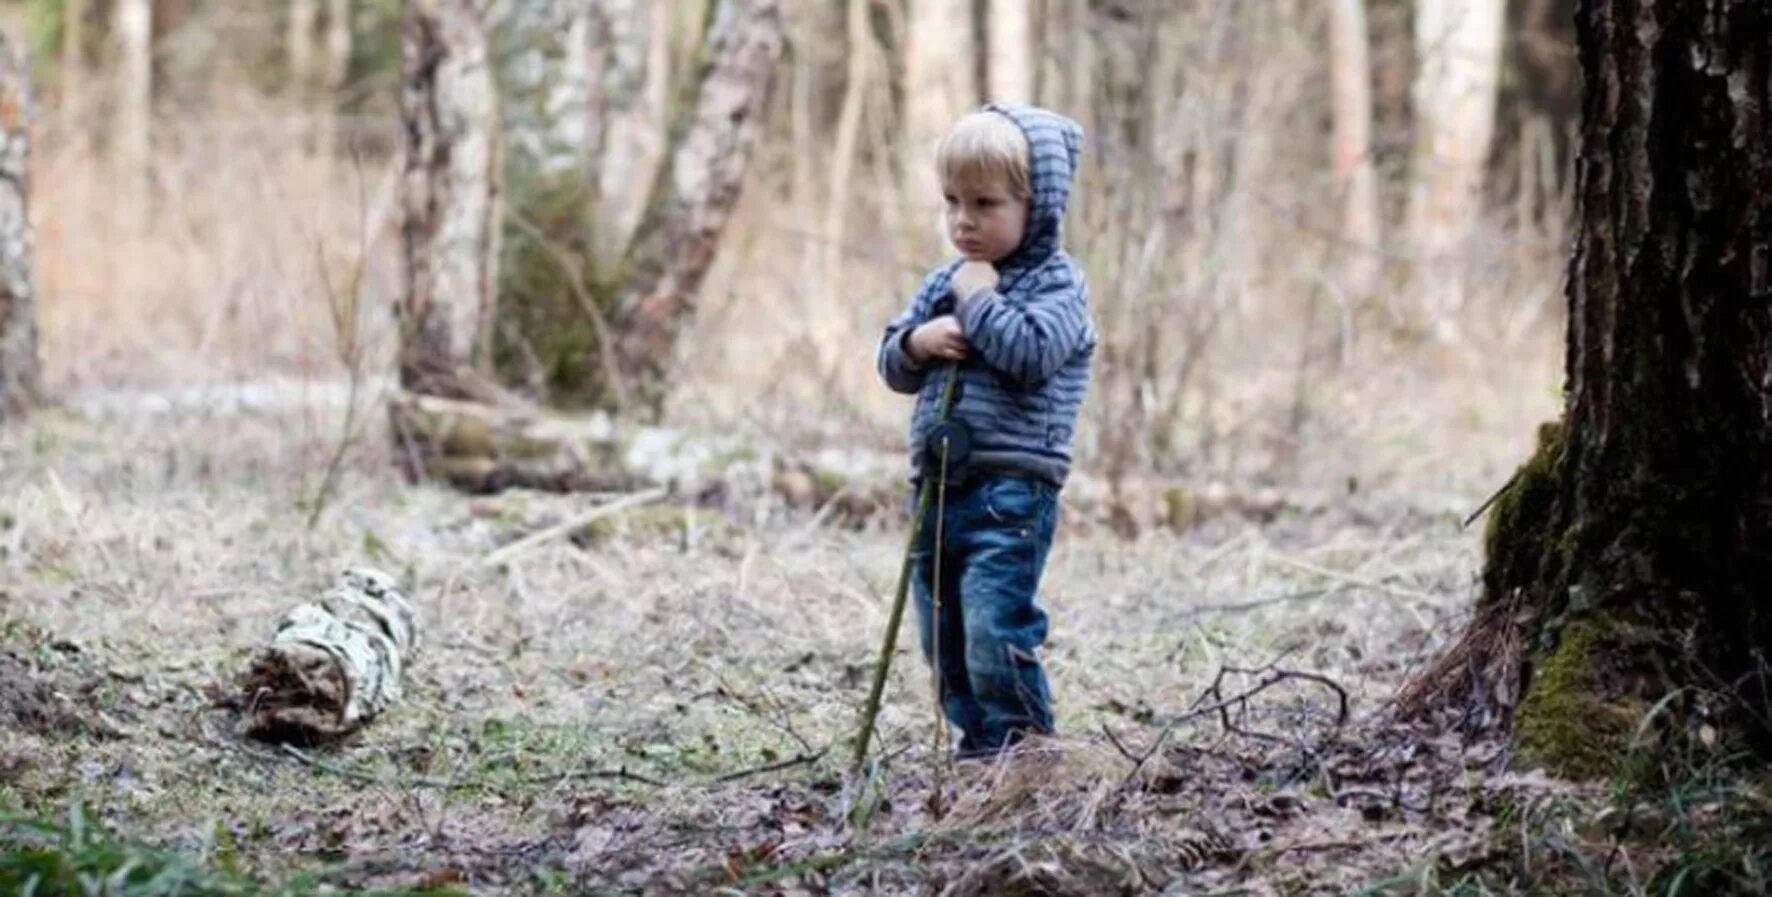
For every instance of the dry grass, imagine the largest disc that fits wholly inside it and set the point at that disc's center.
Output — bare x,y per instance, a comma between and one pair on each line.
551,695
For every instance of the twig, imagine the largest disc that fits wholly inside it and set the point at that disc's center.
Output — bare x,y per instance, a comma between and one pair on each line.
369,778
530,541
790,763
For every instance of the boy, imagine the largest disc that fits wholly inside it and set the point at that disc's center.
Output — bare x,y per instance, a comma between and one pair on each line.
1010,319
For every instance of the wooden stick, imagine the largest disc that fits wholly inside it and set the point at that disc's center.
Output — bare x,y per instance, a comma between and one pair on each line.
884,664
505,553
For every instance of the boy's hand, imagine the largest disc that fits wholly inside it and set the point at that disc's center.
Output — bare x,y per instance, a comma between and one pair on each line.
971,278
937,339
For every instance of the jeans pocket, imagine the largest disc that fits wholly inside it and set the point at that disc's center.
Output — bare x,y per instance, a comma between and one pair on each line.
1014,501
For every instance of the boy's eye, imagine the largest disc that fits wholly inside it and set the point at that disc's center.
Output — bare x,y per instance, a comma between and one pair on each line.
951,200
989,201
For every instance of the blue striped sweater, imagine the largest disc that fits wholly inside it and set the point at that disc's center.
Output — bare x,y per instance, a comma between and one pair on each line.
1031,337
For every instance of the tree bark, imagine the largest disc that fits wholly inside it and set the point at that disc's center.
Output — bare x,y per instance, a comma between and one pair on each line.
451,193
1630,559
1356,177
20,375
1458,66
710,149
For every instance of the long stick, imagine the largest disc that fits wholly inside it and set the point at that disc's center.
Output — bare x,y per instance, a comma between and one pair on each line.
884,664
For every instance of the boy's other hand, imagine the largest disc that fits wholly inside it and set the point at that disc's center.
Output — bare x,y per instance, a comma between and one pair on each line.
938,339
971,278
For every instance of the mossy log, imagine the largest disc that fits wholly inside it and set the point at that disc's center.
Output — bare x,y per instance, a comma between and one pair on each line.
334,664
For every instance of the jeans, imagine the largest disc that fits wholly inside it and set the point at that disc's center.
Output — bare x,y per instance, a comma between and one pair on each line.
996,532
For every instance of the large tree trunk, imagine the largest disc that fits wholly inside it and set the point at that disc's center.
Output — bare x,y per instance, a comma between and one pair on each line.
451,198
1458,66
1630,560
20,384
1356,178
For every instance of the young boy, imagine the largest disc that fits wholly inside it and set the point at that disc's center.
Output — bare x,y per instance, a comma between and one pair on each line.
1010,319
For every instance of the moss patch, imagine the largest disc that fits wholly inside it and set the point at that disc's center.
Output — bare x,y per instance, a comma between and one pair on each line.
1519,542
1568,721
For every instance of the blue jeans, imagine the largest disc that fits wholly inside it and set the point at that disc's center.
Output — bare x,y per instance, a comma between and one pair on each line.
995,537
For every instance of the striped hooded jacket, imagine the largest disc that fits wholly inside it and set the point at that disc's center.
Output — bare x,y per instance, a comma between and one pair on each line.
1031,337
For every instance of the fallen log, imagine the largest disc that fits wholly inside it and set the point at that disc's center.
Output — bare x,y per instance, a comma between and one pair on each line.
332,665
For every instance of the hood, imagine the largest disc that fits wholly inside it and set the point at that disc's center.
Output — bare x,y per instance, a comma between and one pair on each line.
1055,146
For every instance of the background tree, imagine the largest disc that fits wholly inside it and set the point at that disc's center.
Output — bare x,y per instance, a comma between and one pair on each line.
1457,72
450,229
133,31
20,378
1356,175
1629,561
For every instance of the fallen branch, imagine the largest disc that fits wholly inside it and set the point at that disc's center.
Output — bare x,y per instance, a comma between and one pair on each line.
505,553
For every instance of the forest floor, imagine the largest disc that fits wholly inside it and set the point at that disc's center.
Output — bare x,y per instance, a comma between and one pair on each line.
665,703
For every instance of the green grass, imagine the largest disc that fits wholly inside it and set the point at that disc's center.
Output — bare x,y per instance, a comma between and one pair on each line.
80,857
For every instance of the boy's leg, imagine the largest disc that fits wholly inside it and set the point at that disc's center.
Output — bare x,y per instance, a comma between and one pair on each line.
957,701
1009,524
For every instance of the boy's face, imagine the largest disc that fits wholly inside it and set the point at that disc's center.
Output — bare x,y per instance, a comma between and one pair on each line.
984,220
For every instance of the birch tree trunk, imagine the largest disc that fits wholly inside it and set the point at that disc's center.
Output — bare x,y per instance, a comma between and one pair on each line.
20,377
1629,560
334,664
132,136
1010,36
694,194
450,231
1356,178
940,82
1458,58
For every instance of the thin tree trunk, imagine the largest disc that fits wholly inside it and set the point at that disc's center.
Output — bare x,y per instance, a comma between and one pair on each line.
694,194
337,68
20,376
73,66
1009,35
1630,559
863,63
1356,178
939,83
450,196
132,136
299,43
1458,67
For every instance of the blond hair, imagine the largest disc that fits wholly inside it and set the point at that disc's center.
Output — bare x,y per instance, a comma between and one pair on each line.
985,146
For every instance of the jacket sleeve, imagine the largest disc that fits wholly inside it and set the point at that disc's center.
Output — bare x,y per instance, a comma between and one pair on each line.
1028,339
894,363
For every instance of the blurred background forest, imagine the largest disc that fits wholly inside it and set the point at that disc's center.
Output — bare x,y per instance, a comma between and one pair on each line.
1287,204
